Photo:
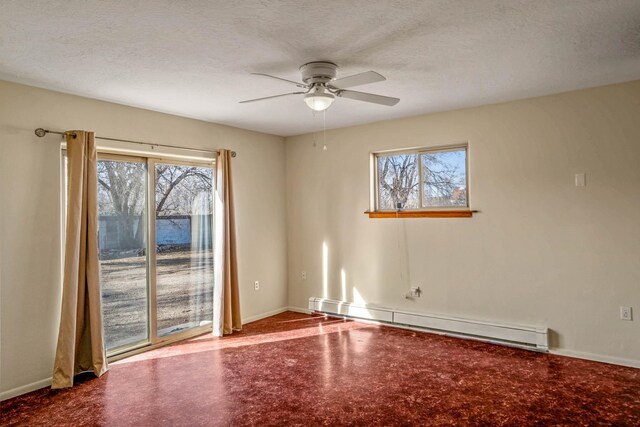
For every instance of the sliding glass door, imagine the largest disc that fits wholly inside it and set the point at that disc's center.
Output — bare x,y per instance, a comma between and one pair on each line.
184,256
122,202
156,249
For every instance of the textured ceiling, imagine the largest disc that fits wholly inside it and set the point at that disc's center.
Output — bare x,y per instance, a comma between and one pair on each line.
193,58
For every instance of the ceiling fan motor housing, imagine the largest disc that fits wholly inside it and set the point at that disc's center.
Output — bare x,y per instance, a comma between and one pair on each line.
318,72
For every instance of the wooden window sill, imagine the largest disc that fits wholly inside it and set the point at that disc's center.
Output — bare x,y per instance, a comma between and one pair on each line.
457,213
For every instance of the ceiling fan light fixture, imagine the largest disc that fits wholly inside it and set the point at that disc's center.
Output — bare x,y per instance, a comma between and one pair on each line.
319,101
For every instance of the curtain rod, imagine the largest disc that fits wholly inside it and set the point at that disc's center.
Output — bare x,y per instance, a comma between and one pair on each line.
40,132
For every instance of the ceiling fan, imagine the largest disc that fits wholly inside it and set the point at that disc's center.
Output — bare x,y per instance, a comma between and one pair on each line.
321,86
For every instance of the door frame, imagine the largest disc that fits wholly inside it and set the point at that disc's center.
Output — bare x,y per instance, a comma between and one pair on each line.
153,340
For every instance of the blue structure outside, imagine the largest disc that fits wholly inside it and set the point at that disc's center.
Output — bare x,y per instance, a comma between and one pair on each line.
171,230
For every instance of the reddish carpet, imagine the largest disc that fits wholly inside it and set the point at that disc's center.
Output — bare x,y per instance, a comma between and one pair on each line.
294,369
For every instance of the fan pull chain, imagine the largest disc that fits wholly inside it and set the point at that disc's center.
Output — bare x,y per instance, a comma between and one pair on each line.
324,129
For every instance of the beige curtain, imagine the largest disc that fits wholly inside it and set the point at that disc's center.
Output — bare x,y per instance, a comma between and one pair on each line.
80,341
226,300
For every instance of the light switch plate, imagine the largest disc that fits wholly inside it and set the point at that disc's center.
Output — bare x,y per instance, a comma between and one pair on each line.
581,180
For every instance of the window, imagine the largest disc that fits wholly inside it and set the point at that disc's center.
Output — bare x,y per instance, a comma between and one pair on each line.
421,179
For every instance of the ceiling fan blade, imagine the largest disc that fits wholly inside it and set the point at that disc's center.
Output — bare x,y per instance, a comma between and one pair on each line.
368,97
280,78
273,96
357,80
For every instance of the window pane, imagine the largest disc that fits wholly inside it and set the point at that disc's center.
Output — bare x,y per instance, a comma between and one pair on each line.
398,177
445,178
122,242
184,266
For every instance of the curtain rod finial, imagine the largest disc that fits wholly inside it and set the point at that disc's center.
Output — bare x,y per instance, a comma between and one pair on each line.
40,132
233,154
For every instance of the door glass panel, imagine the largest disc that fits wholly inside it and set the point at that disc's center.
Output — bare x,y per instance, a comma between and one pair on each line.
123,260
184,260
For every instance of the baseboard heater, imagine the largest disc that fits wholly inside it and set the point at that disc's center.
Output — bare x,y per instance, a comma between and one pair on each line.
534,338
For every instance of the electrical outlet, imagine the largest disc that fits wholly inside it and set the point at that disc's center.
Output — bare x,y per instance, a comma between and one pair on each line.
625,313
256,285
304,275
414,292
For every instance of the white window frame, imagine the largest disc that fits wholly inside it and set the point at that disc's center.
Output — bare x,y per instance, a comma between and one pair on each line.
419,151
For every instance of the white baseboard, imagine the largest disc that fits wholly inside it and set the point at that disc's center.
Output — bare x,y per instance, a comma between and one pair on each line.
274,312
263,315
596,357
299,309
25,389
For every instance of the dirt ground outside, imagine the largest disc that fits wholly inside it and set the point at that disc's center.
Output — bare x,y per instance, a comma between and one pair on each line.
184,294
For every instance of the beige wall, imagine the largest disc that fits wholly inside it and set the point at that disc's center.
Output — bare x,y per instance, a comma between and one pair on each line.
30,212
540,252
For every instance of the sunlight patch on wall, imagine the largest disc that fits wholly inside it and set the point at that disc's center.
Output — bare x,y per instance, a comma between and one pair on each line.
325,270
357,298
